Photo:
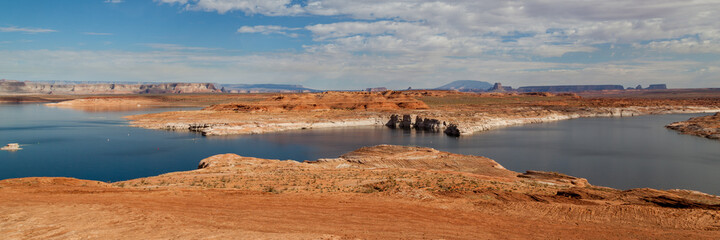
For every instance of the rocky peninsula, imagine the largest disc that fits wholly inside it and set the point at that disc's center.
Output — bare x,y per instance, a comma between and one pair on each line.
454,113
374,192
705,126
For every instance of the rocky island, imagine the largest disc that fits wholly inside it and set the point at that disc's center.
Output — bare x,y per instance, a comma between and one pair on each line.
11,147
374,192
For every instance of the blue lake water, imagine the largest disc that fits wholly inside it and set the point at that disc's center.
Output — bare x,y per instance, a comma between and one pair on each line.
616,152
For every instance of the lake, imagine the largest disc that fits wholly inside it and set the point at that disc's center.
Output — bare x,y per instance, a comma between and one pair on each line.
615,152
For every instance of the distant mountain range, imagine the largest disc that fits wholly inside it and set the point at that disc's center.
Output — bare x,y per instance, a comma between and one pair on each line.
263,88
85,87
12,87
466,85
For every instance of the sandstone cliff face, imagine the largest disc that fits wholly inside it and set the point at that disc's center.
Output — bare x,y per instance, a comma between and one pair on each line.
17,87
408,122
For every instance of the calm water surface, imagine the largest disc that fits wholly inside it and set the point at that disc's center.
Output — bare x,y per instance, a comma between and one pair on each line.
616,152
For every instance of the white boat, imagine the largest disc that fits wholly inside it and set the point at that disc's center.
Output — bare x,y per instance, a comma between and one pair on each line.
11,147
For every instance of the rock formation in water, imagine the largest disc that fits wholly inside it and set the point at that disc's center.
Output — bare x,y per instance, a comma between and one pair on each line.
28,87
407,121
11,147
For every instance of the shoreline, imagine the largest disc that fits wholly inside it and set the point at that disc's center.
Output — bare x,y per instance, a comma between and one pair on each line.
449,127
704,126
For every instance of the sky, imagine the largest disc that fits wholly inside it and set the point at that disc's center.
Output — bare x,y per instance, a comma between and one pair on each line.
353,44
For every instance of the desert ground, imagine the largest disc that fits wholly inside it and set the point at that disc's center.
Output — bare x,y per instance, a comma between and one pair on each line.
373,193
376,192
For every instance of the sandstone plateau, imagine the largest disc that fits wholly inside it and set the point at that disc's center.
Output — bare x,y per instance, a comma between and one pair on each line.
376,192
454,113
706,126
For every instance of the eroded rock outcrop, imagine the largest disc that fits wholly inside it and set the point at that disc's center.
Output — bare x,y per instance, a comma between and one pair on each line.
706,126
411,121
554,178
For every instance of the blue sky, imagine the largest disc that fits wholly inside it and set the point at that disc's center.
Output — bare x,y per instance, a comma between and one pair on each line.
342,44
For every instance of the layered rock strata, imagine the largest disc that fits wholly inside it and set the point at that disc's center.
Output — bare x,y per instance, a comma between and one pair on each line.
469,126
705,126
412,121
224,123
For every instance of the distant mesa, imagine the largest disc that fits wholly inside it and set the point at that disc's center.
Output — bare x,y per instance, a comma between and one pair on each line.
264,88
657,86
498,87
466,86
651,87
573,88
71,88
570,88
75,88
377,89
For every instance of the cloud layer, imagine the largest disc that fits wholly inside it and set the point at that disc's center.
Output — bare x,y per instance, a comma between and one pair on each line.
422,43
554,26
26,30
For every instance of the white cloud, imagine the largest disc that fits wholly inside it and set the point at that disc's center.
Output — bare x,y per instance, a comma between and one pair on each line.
340,70
554,27
264,7
269,29
421,43
26,30
559,50
708,42
114,1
